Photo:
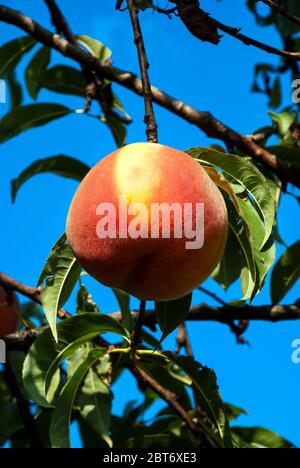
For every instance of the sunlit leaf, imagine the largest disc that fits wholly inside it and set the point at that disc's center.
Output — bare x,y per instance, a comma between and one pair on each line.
246,174
61,418
96,47
60,273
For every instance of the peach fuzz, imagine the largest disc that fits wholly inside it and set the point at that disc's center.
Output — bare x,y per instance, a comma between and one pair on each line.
149,269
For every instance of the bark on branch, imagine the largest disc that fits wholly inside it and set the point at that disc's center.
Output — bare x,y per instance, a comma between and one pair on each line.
151,125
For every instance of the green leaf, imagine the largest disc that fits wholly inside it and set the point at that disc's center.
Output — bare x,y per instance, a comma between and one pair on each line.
167,375
286,272
61,165
234,412
245,174
124,304
243,236
96,47
85,301
117,105
45,355
258,437
61,272
265,257
205,382
36,69
117,128
94,398
285,26
171,314
16,93
12,52
28,117
89,438
231,265
284,121
61,418
65,80
36,363
276,94
91,327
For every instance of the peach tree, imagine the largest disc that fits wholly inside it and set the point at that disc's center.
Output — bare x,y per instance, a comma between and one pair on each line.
60,365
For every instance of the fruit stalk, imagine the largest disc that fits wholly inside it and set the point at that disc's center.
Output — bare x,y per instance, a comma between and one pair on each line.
151,125
136,336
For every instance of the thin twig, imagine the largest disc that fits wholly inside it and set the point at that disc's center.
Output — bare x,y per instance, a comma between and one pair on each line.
203,120
263,135
239,331
151,130
249,41
212,295
59,21
281,10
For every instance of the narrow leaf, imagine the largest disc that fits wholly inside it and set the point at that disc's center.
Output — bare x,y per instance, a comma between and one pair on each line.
96,47
124,304
61,418
61,165
172,313
27,117
35,70
12,52
245,173
61,272
41,367
65,80
286,272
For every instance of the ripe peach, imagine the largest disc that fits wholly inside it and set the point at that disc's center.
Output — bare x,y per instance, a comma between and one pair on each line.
9,306
146,267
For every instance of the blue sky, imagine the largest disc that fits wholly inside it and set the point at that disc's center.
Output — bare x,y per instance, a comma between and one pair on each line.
260,378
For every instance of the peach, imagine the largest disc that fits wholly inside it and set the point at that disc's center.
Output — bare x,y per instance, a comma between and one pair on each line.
141,176
9,306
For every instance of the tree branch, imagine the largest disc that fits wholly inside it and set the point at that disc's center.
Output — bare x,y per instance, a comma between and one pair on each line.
281,10
236,33
59,21
228,314
203,313
203,120
93,88
11,284
172,400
